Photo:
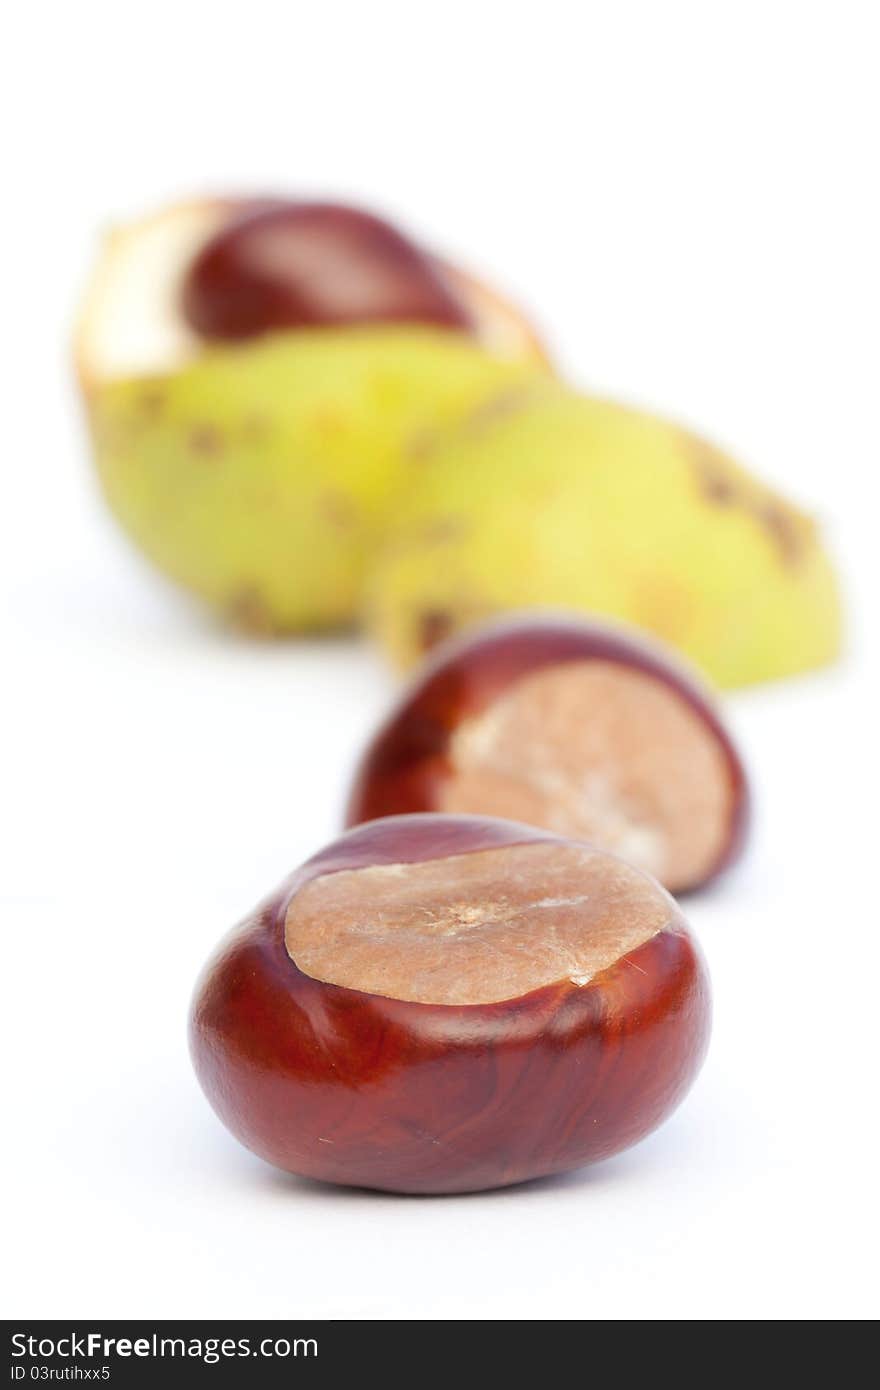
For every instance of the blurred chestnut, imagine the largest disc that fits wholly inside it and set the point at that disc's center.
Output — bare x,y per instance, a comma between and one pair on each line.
447,1003
273,264
582,728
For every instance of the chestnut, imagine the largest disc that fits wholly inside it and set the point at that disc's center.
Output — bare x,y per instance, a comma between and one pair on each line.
583,728
284,264
451,1003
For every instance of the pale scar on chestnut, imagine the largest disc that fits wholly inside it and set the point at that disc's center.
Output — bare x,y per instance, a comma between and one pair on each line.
474,928
602,752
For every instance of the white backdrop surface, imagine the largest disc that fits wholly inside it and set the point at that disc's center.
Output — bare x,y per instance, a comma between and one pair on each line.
686,194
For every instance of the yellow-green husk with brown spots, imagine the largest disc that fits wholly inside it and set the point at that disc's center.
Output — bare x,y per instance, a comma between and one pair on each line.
566,501
259,475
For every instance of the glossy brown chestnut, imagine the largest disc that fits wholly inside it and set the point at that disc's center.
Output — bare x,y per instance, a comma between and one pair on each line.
299,265
446,1003
582,728
227,269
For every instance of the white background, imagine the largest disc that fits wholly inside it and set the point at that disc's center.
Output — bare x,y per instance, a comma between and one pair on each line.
687,194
